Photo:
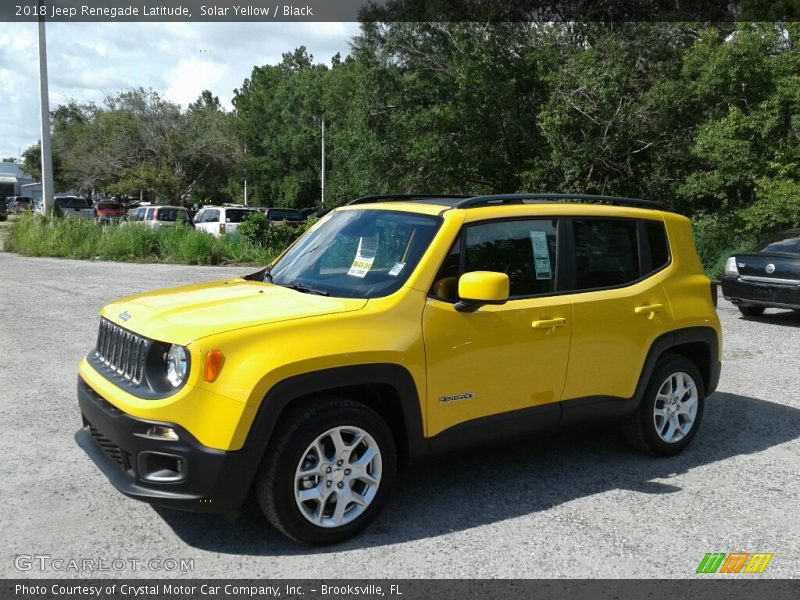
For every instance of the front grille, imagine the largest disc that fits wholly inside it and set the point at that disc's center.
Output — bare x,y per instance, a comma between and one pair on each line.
121,351
117,454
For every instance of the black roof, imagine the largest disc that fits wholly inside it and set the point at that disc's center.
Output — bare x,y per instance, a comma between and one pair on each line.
462,201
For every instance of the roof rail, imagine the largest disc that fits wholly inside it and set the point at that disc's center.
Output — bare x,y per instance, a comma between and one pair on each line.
401,197
476,201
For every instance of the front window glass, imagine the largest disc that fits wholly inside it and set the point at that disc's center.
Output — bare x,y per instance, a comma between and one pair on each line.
357,253
525,250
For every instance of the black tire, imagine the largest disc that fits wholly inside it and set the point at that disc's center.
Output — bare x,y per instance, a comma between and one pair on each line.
751,311
275,481
640,430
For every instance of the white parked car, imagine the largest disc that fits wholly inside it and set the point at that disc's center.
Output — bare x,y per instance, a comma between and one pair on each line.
219,220
158,216
74,207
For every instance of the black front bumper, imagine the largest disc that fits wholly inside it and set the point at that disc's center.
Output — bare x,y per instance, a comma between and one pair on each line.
761,294
180,474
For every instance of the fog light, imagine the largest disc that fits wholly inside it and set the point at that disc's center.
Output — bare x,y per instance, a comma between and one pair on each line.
165,433
161,468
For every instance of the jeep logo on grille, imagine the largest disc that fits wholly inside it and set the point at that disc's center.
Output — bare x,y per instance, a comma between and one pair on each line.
125,316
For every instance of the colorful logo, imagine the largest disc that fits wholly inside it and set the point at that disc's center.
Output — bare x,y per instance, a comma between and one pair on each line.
735,562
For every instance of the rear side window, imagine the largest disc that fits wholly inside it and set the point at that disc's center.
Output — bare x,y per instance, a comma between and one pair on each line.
606,253
172,214
237,216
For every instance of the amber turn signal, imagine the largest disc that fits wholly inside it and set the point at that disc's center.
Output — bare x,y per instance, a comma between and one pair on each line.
214,360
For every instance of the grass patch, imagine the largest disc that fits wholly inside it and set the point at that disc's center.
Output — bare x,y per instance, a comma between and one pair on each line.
36,235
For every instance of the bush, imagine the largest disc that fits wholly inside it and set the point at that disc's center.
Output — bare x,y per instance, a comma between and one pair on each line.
36,235
257,230
719,236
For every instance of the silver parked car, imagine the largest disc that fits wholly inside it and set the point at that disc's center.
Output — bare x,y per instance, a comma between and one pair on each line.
158,216
74,207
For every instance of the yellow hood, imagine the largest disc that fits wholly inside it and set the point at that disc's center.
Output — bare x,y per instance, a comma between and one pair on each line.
184,314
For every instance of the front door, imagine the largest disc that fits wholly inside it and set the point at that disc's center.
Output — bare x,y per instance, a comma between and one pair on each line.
499,358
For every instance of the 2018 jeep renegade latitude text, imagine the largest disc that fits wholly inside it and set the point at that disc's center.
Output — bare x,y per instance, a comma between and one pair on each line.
396,328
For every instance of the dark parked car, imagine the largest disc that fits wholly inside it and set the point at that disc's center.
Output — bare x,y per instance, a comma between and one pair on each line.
17,204
768,278
284,216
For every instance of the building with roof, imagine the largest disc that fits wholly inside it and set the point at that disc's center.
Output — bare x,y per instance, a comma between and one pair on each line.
12,178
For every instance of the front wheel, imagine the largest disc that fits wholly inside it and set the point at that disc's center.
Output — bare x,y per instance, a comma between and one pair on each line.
670,412
329,473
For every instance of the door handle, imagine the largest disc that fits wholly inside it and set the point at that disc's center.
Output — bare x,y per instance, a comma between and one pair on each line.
548,323
649,309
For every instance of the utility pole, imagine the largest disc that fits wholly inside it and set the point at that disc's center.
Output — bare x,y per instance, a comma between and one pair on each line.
44,106
322,186
245,174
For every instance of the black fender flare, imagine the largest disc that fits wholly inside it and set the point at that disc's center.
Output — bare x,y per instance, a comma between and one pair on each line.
664,343
286,391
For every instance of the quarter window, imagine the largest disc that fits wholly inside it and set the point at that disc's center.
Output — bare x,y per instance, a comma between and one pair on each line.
657,240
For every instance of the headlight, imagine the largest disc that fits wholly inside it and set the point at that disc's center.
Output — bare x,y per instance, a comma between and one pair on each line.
177,363
731,270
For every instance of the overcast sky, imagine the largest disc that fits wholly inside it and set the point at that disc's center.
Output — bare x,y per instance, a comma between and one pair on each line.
88,61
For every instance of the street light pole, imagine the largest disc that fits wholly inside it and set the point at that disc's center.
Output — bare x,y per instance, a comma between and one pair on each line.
44,106
322,181
245,174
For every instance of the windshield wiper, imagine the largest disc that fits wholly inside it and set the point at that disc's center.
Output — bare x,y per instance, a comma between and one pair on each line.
299,287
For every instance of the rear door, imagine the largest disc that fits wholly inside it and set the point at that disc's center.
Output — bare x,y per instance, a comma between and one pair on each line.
619,306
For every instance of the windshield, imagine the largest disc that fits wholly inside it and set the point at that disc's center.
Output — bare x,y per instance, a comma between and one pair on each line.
357,253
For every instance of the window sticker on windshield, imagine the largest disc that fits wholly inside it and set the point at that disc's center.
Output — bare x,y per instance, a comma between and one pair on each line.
395,270
365,256
541,255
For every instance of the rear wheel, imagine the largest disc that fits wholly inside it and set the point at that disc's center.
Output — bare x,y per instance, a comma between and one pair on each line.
670,412
751,311
329,473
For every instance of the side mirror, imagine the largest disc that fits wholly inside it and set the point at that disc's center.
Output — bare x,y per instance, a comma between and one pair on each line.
481,287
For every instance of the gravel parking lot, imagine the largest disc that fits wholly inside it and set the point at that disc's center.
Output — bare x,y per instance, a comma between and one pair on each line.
579,504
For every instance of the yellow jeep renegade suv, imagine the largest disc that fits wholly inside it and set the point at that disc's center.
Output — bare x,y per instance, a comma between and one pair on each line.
395,328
